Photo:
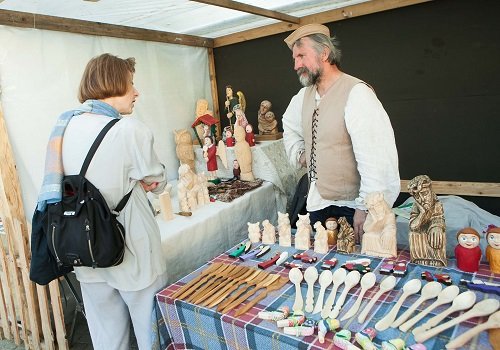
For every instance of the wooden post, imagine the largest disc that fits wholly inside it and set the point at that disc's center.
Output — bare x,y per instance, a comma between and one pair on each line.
213,85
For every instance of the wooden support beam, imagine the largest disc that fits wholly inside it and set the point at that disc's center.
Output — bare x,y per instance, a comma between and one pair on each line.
238,6
213,86
339,14
36,21
479,189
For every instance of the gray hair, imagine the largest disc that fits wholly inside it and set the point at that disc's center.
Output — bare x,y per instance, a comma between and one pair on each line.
320,41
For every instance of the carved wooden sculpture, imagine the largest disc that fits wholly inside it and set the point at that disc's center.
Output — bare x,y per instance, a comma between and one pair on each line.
254,232
284,230
203,194
184,147
379,238
320,239
427,235
243,154
187,189
267,121
268,233
493,248
345,240
303,234
332,230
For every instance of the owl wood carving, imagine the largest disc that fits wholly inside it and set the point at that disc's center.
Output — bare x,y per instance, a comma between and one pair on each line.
184,147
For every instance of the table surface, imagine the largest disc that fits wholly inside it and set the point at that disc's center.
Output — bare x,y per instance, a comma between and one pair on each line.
182,325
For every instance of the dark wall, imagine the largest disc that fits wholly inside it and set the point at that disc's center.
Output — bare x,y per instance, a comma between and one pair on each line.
435,67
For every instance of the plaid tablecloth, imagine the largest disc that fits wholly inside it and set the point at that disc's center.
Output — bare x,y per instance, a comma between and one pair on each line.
182,325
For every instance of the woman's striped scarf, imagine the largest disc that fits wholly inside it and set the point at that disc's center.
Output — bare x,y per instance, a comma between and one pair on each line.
51,191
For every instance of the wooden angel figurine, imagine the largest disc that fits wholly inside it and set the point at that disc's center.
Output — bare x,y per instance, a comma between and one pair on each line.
493,248
332,230
320,239
427,235
249,135
345,240
467,251
268,233
303,233
187,189
254,232
243,154
379,238
184,147
231,102
284,230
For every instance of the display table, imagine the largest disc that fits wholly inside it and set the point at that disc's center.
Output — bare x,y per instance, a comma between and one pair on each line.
182,325
269,163
189,242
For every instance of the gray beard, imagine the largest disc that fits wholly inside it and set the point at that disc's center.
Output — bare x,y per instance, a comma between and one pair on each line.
309,78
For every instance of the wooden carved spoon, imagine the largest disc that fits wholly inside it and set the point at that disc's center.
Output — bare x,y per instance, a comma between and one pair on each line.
446,296
386,285
483,308
311,275
275,286
493,322
325,279
367,282
411,287
338,278
464,301
351,280
430,291
295,276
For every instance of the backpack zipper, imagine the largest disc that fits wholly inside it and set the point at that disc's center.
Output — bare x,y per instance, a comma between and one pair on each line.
120,258
59,263
87,229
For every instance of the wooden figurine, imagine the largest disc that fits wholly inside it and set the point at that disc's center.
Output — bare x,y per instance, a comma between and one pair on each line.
249,135
210,155
332,230
320,239
284,230
467,252
427,235
201,109
268,233
231,102
254,232
345,240
379,238
166,203
203,194
236,169
493,248
241,119
187,189
267,121
303,233
184,148
243,154
229,137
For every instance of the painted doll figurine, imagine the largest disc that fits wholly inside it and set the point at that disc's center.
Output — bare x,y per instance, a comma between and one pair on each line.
427,235
467,252
379,238
229,138
332,230
249,136
236,169
210,155
345,240
284,230
254,232
268,233
493,248
320,239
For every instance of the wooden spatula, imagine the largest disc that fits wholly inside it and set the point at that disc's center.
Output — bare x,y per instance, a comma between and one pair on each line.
275,286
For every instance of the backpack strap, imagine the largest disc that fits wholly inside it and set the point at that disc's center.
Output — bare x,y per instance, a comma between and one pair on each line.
91,153
95,145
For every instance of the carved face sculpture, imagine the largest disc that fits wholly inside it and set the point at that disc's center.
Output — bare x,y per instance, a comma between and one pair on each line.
468,240
421,189
493,239
236,165
375,204
207,141
229,133
229,91
331,224
265,106
201,107
248,128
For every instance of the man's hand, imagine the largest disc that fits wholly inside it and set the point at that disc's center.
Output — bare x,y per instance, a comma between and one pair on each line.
358,222
302,160
149,187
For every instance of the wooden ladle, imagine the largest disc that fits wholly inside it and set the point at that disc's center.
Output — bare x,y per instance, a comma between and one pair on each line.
493,322
483,308
462,302
411,287
430,291
446,296
338,278
367,282
386,285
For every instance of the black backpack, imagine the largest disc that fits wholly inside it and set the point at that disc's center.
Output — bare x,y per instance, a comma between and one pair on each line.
82,230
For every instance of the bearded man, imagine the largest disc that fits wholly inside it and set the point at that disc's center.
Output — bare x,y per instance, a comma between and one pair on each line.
337,128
